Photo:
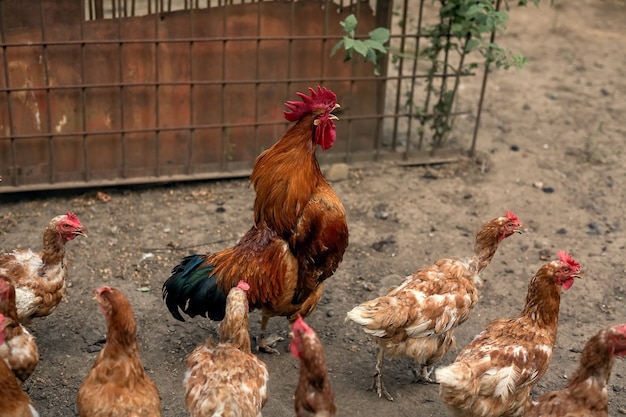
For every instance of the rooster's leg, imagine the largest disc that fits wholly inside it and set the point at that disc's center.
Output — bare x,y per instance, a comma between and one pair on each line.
262,345
378,378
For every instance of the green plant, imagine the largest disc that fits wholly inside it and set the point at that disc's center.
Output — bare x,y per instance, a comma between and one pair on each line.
372,48
465,27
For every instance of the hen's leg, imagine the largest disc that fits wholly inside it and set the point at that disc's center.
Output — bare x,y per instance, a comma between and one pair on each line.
424,374
262,345
378,378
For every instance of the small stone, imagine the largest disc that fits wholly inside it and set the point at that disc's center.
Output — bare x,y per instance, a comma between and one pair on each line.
514,148
593,229
605,92
547,190
220,209
561,231
526,106
330,313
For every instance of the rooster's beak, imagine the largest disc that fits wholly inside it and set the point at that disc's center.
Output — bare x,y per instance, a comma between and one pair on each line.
333,117
337,106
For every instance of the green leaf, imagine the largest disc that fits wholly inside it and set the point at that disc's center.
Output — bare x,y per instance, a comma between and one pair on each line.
380,35
471,45
372,44
360,47
336,48
348,43
349,25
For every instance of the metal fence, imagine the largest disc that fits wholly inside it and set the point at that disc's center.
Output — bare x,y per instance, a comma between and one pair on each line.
113,92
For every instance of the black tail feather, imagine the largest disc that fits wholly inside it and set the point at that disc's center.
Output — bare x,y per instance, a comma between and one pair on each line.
193,288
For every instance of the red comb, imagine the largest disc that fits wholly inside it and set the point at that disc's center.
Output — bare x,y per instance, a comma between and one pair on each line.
511,216
243,285
100,290
301,325
566,258
322,97
621,329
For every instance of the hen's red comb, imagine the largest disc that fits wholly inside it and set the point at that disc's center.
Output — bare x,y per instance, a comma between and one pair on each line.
300,325
511,216
72,217
243,285
621,329
100,290
566,258
322,97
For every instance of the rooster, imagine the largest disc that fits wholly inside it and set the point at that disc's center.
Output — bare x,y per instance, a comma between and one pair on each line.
117,384
314,396
298,237
418,318
40,278
15,402
586,392
227,379
19,349
495,373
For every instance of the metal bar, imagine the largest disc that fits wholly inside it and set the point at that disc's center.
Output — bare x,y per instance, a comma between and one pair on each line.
223,90
157,122
206,126
46,72
120,66
5,62
191,92
214,82
483,89
384,13
83,99
414,76
198,39
256,77
400,70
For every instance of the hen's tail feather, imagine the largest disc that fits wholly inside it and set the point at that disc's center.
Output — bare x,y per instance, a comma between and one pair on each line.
192,288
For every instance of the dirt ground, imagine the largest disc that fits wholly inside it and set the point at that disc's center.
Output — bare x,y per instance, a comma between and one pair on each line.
551,149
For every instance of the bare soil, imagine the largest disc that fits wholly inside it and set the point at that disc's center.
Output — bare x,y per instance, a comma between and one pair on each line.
551,149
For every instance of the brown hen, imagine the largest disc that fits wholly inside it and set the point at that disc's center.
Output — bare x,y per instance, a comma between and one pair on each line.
417,319
494,374
117,385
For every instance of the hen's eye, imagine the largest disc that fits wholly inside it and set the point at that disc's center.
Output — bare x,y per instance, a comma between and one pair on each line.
66,226
566,270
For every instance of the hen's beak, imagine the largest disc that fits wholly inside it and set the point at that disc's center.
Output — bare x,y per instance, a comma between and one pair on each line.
519,229
81,232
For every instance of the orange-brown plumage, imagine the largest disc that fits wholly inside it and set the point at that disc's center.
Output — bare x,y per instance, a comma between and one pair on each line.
494,374
298,237
417,318
14,401
586,392
19,349
117,384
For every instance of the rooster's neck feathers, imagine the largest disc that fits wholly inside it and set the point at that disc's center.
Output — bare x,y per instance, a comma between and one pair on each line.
284,178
